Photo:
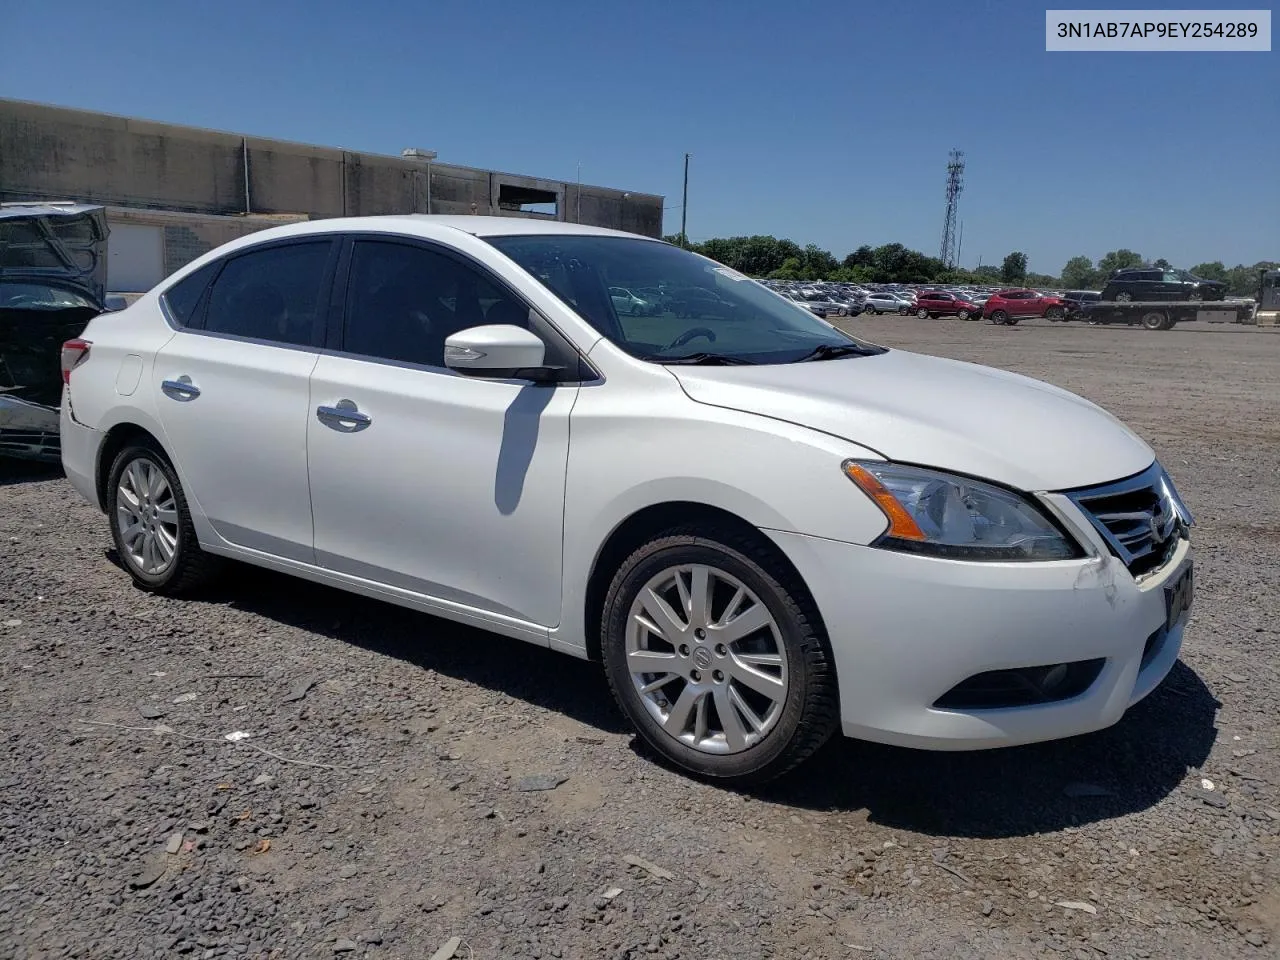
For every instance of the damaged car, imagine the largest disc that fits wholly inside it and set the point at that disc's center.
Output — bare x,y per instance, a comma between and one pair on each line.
53,269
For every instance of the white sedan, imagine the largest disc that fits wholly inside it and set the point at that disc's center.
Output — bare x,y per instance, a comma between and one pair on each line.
767,530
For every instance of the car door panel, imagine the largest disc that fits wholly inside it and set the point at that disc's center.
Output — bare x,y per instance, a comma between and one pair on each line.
447,485
234,406
251,397
454,488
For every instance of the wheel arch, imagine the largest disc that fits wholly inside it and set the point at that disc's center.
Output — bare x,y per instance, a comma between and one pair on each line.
649,522
117,438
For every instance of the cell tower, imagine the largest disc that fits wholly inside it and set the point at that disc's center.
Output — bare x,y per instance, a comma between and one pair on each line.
955,183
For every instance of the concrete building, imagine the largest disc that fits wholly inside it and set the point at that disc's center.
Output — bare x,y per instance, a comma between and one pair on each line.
174,192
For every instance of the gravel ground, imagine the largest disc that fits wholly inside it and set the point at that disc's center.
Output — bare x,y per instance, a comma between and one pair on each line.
385,801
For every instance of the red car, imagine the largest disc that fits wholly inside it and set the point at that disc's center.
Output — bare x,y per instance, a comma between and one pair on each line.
933,303
1010,306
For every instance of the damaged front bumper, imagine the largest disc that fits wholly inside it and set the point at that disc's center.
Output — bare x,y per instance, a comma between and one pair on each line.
28,430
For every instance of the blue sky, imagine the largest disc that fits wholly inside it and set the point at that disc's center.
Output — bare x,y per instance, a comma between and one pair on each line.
825,121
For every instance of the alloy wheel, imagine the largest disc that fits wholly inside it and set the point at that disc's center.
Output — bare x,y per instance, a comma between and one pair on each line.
706,657
147,514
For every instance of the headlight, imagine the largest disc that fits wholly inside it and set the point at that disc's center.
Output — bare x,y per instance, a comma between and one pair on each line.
948,516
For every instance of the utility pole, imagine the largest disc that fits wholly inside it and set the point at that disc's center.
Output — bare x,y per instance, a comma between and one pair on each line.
684,206
577,218
960,246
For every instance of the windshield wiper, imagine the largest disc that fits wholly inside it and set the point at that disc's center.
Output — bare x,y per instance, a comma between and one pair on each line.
706,360
833,351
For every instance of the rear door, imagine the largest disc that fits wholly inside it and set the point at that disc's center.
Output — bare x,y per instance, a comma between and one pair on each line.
232,392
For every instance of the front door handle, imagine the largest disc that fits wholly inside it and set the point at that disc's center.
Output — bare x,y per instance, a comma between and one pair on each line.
182,389
343,416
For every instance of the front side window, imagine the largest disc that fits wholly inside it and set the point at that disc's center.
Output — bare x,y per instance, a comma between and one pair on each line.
707,312
404,301
276,294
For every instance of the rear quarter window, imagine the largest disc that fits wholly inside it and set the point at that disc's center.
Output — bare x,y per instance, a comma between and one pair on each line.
182,300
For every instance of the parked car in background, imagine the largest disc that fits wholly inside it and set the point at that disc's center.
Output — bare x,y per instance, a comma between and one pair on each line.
884,302
53,268
768,530
1010,306
822,304
626,302
1150,283
936,303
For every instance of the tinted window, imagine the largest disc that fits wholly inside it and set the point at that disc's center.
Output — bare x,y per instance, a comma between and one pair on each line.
276,294
403,301
184,296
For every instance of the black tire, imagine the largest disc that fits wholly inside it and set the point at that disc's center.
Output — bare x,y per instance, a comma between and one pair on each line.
1155,320
810,713
1055,313
190,567
999,317
1012,321
922,314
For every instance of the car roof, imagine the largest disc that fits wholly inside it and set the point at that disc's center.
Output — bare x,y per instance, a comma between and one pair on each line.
421,223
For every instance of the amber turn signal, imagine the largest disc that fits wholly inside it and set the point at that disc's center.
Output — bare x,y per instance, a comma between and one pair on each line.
901,524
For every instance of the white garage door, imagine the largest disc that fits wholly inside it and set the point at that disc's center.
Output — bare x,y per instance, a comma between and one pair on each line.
135,257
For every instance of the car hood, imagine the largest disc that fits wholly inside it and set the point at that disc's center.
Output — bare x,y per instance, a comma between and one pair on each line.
60,243
934,412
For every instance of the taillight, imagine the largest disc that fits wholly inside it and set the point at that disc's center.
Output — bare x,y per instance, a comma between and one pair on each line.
74,353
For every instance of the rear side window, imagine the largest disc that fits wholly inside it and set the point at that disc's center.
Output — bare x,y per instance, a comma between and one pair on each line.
276,294
182,299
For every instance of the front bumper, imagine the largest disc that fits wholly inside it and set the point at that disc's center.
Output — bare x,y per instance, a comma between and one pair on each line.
906,629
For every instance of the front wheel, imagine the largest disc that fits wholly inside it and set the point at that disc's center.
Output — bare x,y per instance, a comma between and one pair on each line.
1055,313
714,651
151,523
922,314
963,314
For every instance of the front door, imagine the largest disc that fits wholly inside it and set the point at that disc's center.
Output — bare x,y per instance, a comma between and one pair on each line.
232,394
425,479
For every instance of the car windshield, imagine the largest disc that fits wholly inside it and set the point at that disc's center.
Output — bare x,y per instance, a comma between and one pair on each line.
40,296
708,312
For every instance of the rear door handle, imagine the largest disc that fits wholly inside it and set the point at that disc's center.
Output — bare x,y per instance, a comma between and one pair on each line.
343,416
181,389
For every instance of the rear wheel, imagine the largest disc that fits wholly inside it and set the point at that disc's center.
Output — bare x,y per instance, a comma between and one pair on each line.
999,317
1055,313
714,651
151,523
1155,320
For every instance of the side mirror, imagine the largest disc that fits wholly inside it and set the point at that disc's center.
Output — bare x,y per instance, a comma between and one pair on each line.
501,351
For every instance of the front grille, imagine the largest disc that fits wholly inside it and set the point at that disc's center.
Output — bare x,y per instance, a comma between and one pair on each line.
1140,518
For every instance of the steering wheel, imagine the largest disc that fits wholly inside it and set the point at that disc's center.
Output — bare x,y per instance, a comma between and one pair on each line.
691,334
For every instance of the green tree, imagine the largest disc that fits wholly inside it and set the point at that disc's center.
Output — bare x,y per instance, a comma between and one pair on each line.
1041,280
1215,270
987,273
1079,274
1162,264
864,256
818,263
790,270
1014,268
1243,281
1121,259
